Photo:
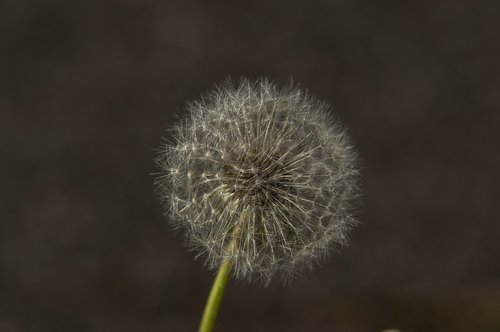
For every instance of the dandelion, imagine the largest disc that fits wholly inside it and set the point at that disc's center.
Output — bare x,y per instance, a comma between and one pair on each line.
261,179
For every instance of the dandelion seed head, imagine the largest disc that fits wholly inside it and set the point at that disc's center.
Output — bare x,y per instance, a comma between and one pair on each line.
261,175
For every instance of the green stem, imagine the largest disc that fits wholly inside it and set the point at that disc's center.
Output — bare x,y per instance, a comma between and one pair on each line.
215,298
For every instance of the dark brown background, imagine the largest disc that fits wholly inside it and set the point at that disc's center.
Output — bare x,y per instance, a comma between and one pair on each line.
88,88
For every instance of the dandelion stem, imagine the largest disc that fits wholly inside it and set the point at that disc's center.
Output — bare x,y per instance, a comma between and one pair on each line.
215,298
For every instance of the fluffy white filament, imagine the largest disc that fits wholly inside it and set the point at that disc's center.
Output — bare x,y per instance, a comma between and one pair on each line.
261,175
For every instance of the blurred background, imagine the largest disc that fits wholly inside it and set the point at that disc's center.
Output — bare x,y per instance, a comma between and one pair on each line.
88,88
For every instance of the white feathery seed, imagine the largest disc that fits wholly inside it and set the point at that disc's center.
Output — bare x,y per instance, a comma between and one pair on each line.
260,175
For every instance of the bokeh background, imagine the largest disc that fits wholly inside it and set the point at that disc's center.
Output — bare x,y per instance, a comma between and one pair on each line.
88,88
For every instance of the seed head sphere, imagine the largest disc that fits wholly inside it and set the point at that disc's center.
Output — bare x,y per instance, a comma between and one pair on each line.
260,175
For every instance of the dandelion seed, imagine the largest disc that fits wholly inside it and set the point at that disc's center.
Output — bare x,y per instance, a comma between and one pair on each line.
271,177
